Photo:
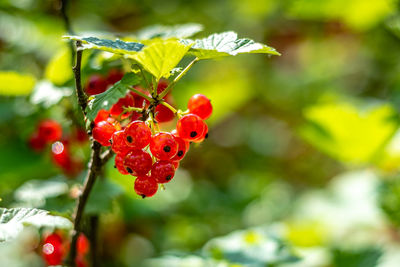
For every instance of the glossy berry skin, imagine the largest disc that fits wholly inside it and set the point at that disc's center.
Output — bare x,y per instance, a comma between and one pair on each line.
118,108
119,163
163,171
118,144
37,143
102,115
53,250
137,134
190,127
138,162
203,136
145,186
96,85
102,132
200,105
176,164
163,114
163,145
49,131
183,146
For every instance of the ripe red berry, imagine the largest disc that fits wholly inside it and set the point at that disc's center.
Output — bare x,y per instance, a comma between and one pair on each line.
203,136
140,101
102,132
145,186
82,244
200,105
163,114
102,115
118,143
114,76
190,127
118,108
137,134
138,162
37,143
80,261
119,163
163,146
162,85
163,171
80,135
96,85
60,154
49,130
53,251
183,146
176,164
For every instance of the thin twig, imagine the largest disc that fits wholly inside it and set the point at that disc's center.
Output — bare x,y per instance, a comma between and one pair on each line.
142,95
63,9
82,97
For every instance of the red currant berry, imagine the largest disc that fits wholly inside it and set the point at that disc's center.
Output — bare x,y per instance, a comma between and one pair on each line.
80,261
37,143
49,130
53,251
119,163
96,85
162,85
60,154
140,101
137,134
114,76
102,132
200,105
190,127
118,108
118,142
163,114
80,135
203,136
182,148
145,186
82,244
163,171
176,164
138,162
163,146
102,115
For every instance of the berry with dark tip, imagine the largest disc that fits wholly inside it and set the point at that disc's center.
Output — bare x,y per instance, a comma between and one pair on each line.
118,144
102,132
119,163
96,85
145,186
183,146
137,134
163,145
49,131
163,171
203,136
190,127
200,105
138,162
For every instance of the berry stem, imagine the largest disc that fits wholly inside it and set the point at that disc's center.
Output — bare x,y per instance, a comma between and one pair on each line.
135,109
177,78
82,97
164,103
144,76
151,100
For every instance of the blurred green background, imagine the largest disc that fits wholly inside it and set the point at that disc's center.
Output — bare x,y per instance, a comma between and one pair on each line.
304,148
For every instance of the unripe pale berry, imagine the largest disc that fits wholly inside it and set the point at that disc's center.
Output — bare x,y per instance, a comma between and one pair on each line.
200,105
163,171
145,186
163,145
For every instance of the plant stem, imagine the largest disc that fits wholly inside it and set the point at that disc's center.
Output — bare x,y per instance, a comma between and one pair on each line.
142,95
82,97
177,78
164,103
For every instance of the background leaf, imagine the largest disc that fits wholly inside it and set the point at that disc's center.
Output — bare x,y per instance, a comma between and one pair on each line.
59,70
47,95
226,44
102,196
15,84
108,98
165,32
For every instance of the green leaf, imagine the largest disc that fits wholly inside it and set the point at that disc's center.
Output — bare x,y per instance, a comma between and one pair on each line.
165,32
12,221
161,56
16,84
117,46
102,196
226,44
110,97
368,257
35,192
47,95
59,69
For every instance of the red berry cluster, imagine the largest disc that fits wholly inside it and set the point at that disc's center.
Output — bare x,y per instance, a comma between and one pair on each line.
144,151
50,133
97,83
55,247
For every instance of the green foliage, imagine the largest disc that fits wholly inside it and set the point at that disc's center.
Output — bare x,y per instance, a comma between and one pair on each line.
389,199
16,84
108,98
47,95
59,70
117,46
368,257
101,198
226,44
13,220
166,32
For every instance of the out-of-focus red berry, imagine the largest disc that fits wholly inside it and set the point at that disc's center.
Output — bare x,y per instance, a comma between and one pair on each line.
49,130
82,244
114,76
53,250
37,143
96,85
118,108
163,114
